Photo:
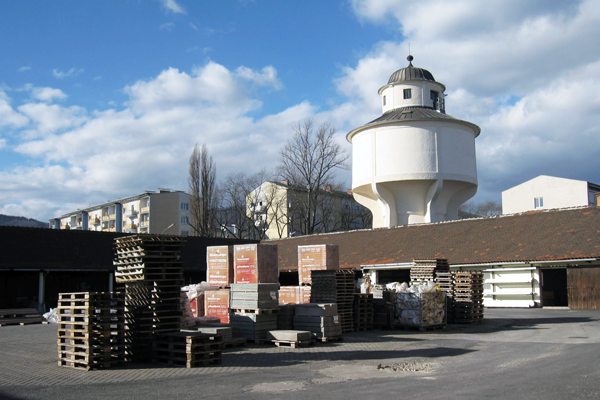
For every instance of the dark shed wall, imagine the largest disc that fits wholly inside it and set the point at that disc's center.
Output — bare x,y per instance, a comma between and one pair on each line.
583,285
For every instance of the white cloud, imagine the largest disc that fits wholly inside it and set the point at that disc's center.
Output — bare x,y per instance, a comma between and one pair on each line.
25,68
47,94
8,116
168,26
2,143
173,6
90,157
58,74
266,77
50,118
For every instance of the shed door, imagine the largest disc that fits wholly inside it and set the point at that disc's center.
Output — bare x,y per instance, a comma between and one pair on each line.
554,287
584,288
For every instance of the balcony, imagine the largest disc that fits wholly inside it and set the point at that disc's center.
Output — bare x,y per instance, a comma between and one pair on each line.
96,221
130,226
131,214
145,223
145,210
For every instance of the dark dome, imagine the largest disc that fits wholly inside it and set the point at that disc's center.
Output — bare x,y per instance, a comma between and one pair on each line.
411,73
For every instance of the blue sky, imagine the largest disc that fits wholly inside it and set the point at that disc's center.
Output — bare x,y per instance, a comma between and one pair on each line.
101,100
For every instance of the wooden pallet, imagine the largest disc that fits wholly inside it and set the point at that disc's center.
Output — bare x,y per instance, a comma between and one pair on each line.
292,344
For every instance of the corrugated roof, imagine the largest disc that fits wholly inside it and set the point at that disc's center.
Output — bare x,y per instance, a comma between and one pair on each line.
413,113
533,236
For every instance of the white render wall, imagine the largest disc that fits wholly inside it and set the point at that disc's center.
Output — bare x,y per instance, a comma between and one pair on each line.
414,172
556,193
420,94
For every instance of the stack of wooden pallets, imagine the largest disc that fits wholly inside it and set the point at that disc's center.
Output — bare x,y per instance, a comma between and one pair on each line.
383,317
363,312
188,349
335,287
91,330
468,297
425,270
152,274
445,279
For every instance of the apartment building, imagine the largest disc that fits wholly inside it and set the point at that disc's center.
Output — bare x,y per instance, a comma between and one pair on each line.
158,212
279,208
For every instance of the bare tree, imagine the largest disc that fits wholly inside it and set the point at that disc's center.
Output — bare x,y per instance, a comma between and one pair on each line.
202,175
308,162
489,208
246,205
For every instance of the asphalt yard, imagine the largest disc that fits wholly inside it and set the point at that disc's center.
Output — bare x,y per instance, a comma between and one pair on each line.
514,353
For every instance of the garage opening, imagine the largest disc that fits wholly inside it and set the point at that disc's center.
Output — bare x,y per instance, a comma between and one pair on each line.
554,287
393,275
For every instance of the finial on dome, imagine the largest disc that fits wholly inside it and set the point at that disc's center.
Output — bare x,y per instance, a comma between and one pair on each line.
410,58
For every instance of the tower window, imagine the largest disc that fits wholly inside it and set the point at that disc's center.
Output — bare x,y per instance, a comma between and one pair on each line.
384,100
407,93
433,95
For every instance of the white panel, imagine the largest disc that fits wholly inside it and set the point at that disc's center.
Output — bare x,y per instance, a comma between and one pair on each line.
405,150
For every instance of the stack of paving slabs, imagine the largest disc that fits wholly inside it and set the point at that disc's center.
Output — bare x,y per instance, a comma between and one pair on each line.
468,297
187,349
363,312
445,279
91,330
285,316
335,287
254,309
149,268
322,320
290,338
425,270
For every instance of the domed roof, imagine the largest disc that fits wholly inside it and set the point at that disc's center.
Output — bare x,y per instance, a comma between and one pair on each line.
411,73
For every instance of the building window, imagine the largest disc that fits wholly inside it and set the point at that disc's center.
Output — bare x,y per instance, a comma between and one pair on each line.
185,220
433,95
407,94
185,206
384,100
185,233
538,202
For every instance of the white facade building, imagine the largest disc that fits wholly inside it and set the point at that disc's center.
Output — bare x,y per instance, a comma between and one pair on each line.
548,192
164,211
415,163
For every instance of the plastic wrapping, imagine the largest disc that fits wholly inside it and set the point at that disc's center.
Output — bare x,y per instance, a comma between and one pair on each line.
51,316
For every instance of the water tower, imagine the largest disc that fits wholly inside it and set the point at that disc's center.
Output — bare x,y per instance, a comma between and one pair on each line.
414,164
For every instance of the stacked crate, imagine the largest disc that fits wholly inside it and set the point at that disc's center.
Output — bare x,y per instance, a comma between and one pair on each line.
468,297
335,287
445,279
316,258
322,320
152,274
189,349
255,293
425,270
91,330
217,304
363,312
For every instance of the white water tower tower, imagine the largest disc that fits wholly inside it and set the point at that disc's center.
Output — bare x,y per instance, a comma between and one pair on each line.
414,164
